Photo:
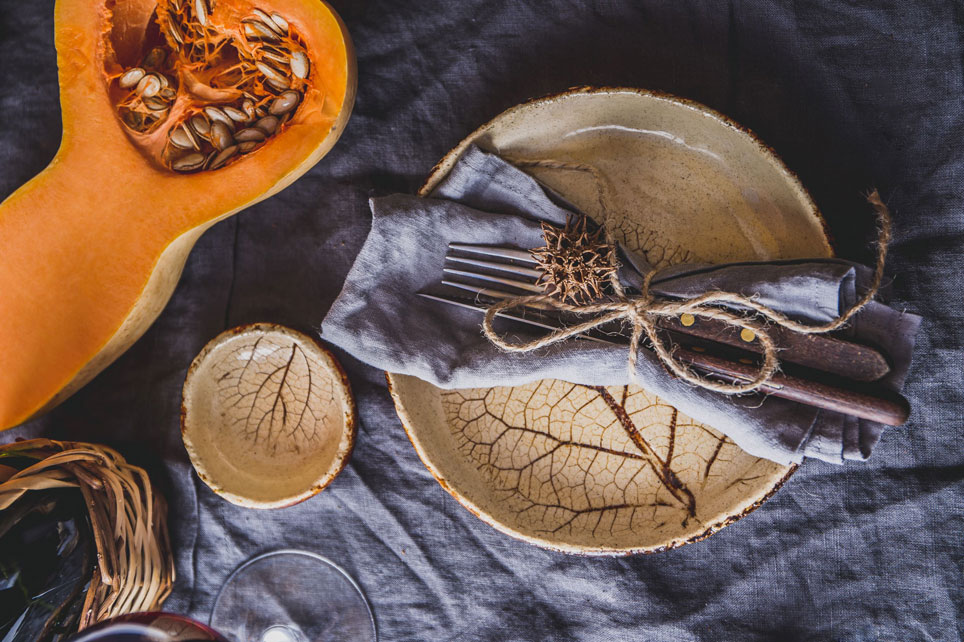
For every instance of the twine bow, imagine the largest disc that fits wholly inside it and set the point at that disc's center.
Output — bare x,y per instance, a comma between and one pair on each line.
642,312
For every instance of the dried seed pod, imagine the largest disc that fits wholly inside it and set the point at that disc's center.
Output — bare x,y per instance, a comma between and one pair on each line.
300,65
235,114
189,163
222,157
200,125
250,134
148,86
131,77
268,124
279,20
221,136
576,262
284,103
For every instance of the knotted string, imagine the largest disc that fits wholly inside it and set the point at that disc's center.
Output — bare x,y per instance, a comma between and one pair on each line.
643,311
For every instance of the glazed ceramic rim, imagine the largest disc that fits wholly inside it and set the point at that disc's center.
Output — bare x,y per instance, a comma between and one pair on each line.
442,169
347,441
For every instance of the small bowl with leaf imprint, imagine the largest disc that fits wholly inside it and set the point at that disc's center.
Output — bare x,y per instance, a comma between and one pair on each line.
267,416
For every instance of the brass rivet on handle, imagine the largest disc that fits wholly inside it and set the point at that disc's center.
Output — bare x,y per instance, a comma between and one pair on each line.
687,319
747,335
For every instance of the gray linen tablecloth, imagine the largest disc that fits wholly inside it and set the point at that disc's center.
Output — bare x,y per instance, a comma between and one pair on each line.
850,96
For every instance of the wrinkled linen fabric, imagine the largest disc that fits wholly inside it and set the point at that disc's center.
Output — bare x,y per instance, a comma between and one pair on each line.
380,318
851,95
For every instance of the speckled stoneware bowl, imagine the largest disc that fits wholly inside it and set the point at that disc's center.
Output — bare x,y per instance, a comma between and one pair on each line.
267,416
551,462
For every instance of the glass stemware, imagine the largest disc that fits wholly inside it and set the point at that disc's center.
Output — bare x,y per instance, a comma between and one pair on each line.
292,596
281,596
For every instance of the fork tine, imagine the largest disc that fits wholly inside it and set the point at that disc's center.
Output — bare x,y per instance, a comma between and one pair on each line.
513,283
532,319
492,292
495,265
500,252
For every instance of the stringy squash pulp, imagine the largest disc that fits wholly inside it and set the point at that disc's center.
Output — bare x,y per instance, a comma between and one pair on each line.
176,114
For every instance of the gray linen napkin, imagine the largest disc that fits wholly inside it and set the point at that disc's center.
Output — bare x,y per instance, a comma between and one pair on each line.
379,319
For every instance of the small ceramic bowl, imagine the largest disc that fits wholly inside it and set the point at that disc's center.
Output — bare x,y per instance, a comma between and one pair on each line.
267,416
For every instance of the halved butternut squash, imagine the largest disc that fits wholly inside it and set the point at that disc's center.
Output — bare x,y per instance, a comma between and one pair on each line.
176,114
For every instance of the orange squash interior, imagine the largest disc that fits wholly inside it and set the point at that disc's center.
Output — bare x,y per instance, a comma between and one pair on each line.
92,247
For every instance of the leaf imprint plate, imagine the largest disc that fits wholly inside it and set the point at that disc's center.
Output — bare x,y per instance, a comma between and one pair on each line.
617,470
267,416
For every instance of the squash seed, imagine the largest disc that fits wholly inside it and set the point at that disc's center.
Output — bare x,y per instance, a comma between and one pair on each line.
216,115
235,114
274,56
279,20
155,58
250,134
175,33
270,72
155,104
189,162
254,28
182,137
200,125
284,103
248,146
222,157
268,22
131,77
148,86
280,85
201,10
221,136
299,64
248,107
268,124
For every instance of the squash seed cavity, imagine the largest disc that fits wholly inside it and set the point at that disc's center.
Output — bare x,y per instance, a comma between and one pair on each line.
259,62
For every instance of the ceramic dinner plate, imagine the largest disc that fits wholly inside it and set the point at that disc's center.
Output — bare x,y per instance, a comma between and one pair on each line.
551,462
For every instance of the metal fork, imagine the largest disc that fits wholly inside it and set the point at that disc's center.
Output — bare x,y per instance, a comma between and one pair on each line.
489,273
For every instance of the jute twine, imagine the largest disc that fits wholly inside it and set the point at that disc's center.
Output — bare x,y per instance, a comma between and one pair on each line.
134,567
643,310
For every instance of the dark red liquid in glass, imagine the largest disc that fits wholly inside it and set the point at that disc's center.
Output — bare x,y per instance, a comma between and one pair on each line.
149,627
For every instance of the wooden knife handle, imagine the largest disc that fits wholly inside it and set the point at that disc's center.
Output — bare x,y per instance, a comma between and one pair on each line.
820,352
881,406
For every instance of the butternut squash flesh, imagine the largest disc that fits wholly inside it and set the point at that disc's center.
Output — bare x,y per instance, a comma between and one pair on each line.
92,247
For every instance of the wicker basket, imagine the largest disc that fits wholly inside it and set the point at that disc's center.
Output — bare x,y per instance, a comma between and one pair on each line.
135,567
